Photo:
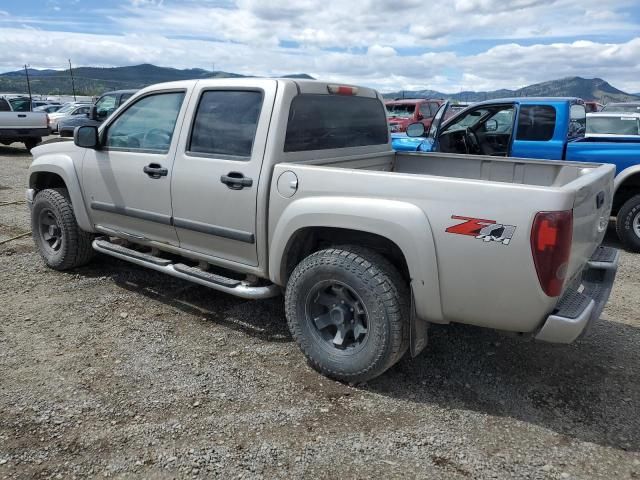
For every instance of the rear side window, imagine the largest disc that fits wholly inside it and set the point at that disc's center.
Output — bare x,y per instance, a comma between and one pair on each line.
323,122
225,123
4,105
536,122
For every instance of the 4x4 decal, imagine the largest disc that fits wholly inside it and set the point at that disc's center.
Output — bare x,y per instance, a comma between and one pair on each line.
487,230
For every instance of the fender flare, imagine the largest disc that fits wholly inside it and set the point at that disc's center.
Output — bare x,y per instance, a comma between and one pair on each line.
63,166
403,223
622,176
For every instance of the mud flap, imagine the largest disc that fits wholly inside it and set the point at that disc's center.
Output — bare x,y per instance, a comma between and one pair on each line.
417,331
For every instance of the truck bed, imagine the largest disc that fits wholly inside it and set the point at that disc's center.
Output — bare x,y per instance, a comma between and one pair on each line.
447,188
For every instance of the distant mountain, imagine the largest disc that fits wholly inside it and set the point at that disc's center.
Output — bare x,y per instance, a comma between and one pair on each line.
94,81
585,88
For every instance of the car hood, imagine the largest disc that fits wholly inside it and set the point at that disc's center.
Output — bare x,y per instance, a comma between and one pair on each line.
401,143
54,145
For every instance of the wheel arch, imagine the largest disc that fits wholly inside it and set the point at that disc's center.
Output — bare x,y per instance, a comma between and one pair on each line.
399,230
626,185
60,174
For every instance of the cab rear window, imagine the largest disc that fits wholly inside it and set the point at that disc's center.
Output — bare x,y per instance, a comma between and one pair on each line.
323,122
536,122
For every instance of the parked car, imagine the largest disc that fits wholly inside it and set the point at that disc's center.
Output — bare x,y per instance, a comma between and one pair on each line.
255,187
73,110
21,126
552,128
48,108
628,107
104,106
403,112
621,126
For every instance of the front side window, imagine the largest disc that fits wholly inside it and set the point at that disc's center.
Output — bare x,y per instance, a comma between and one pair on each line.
537,122
325,122
578,120
147,125
225,123
105,106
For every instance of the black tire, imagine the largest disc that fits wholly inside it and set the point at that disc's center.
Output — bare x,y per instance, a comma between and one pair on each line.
628,224
31,143
360,275
60,242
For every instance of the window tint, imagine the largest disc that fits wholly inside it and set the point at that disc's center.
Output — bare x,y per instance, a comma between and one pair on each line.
536,122
148,124
226,122
4,105
20,104
321,122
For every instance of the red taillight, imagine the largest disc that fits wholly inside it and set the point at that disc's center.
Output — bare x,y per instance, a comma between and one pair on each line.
551,245
342,90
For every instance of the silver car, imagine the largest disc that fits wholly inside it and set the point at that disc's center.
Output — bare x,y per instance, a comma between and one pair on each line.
69,110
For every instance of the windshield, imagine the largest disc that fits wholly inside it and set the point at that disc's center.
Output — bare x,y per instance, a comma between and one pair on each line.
66,108
613,125
404,110
622,107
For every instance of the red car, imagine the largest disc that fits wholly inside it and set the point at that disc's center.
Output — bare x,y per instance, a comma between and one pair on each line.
401,113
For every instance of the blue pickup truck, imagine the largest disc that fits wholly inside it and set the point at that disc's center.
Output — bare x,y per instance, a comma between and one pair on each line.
549,128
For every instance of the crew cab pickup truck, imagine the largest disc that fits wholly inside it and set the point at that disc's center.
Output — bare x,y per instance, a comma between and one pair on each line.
552,128
21,126
257,187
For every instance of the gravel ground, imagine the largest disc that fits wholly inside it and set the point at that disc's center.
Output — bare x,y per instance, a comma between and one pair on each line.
115,371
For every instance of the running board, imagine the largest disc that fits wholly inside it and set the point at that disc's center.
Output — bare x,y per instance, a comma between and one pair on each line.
192,274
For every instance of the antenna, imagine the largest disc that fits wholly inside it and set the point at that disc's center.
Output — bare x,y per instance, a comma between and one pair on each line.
26,71
73,85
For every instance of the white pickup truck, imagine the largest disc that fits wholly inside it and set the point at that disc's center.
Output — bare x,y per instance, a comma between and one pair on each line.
19,124
255,187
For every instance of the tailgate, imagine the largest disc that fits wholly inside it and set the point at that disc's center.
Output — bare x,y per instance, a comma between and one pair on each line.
20,120
591,210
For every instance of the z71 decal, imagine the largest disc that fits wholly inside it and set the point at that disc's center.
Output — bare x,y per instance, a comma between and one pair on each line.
487,230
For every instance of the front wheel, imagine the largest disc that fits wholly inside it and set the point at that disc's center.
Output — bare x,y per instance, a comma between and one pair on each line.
60,242
347,309
628,224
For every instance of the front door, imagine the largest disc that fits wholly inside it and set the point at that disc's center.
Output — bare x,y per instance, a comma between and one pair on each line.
217,169
127,182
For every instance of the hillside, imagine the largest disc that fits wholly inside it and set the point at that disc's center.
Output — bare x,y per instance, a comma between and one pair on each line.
586,88
94,81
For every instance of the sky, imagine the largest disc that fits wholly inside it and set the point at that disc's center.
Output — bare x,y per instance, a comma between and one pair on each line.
390,45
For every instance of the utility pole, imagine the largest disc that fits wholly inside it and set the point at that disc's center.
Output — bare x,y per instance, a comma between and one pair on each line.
26,71
73,85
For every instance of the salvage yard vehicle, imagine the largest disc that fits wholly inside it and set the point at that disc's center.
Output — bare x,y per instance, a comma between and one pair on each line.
104,106
257,187
552,128
402,112
70,110
21,126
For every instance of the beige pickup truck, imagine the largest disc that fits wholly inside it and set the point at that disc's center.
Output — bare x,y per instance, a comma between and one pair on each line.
257,187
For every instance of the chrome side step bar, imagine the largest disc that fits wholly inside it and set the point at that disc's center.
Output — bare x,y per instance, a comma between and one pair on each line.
192,274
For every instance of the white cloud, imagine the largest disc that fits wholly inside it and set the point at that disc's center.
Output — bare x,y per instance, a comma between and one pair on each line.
387,45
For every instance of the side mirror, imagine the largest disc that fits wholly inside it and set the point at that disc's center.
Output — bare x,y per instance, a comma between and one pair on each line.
86,136
491,126
420,116
416,130
93,113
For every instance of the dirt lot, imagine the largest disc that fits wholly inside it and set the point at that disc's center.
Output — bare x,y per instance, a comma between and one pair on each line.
115,371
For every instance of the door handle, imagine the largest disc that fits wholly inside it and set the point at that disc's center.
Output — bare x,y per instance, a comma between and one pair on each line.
22,115
155,170
236,180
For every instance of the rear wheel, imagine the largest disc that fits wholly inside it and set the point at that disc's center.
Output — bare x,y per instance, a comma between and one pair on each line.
347,309
628,224
60,242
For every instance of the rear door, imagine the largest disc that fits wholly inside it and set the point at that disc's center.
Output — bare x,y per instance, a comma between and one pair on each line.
217,170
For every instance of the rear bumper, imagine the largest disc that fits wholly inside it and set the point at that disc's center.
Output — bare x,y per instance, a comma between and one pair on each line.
584,300
18,133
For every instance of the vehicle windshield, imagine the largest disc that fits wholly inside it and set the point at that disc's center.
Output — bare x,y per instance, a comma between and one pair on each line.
404,110
622,107
66,108
621,125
